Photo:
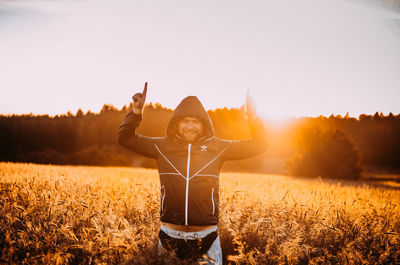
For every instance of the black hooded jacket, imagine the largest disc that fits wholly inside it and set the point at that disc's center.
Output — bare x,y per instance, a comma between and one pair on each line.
189,172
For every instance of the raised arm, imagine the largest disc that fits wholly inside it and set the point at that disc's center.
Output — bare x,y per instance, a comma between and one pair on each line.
127,136
257,144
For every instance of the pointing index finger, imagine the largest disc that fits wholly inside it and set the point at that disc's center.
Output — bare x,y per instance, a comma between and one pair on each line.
145,89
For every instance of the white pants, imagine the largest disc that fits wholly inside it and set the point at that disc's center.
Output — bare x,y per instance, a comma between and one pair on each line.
214,253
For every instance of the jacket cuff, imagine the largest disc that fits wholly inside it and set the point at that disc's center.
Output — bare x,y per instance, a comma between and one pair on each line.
132,118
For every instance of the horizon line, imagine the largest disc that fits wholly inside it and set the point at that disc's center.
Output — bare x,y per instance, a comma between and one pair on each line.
69,112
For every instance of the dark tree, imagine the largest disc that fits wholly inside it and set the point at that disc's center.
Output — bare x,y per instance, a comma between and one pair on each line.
329,154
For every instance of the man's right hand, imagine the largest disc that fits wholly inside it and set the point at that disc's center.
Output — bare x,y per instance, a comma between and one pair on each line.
139,100
250,105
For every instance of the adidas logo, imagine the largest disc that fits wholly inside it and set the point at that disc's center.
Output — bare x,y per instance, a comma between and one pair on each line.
203,148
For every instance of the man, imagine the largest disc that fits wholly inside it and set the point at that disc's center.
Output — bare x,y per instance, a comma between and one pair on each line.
189,160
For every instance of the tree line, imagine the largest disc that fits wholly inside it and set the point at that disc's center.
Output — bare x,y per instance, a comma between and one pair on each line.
372,141
90,139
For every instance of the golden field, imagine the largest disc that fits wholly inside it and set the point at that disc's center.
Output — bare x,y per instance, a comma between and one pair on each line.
109,215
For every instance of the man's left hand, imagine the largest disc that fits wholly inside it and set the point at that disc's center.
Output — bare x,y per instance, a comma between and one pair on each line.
250,105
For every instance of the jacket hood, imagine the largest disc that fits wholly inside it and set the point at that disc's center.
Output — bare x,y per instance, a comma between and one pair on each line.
190,107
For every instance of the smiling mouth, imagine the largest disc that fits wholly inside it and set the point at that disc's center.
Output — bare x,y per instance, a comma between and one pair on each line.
190,133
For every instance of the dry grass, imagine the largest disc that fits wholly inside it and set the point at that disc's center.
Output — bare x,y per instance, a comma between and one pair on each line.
93,215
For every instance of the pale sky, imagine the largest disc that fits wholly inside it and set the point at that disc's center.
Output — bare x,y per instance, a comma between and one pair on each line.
299,58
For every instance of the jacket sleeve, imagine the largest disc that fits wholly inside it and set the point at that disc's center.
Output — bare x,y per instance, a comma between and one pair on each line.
247,148
137,143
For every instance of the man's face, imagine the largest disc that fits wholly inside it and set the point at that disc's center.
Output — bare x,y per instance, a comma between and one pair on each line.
190,128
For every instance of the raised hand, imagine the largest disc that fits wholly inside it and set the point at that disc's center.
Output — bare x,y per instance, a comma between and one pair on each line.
250,105
138,100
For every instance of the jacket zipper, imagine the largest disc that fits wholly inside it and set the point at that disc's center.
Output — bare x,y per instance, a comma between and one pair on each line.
212,200
162,198
187,185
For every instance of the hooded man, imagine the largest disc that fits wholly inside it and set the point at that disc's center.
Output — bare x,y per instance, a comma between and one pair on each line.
189,161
